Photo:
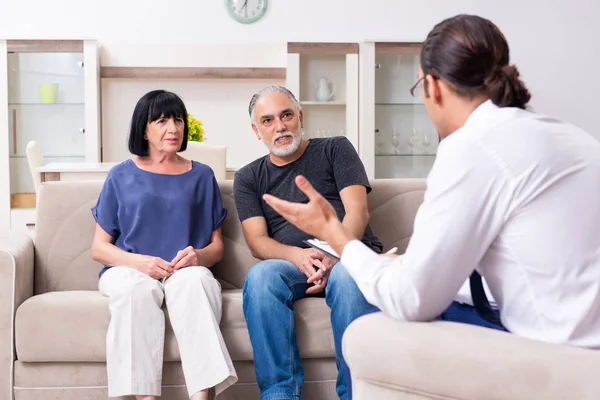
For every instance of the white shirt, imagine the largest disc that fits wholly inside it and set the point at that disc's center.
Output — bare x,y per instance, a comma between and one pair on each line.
516,196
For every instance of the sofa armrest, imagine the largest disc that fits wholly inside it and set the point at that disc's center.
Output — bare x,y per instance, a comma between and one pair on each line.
445,360
16,286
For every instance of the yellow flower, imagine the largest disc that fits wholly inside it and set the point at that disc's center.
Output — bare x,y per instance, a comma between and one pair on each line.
195,129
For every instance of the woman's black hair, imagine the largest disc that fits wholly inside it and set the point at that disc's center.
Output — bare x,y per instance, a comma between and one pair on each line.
152,106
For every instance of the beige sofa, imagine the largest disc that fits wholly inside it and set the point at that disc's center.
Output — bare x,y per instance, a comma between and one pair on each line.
61,320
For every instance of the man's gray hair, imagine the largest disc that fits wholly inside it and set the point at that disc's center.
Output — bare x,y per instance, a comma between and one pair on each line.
271,89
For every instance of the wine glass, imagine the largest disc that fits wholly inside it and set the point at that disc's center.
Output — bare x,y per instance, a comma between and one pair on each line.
413,140
396,141
426,142
378,141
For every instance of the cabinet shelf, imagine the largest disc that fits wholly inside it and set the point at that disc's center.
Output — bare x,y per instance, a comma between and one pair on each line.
404,155
192,73
401,104
323,103
44,104
51,156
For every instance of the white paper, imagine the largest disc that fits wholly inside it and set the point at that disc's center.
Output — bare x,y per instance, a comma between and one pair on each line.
323,246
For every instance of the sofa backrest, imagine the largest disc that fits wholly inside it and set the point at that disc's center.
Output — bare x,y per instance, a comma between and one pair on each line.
65,228
393,205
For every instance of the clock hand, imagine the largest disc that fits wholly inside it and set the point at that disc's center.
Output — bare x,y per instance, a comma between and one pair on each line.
246,8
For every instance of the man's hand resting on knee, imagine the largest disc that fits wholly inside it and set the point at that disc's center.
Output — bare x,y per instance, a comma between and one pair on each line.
303,259
320,278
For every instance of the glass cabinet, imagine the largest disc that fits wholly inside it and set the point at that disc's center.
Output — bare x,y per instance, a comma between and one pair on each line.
45,104
398,140
51,97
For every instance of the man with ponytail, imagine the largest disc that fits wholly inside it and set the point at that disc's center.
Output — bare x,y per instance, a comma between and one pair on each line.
513,196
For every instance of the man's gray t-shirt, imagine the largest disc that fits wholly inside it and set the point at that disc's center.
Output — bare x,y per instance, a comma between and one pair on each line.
330,165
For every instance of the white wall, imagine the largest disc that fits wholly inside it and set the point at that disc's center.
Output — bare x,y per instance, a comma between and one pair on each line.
223,114
553,42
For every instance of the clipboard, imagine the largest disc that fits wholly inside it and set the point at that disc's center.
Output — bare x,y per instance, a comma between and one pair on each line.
323,247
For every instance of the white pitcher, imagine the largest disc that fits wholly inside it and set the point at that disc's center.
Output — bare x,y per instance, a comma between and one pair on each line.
324,88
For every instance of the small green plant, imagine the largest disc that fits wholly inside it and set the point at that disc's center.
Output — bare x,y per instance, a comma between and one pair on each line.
195,129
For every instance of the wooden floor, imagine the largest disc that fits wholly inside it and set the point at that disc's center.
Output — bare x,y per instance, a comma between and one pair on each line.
22,200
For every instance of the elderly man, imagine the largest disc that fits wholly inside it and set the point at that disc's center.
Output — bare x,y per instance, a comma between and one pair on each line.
291,270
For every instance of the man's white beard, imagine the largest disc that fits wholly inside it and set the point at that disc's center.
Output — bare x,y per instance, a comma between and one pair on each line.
283,151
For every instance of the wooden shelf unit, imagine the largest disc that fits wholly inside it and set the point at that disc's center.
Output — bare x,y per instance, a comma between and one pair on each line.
191,73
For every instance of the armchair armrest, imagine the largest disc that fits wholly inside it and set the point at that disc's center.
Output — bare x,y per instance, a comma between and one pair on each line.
16,286
389,359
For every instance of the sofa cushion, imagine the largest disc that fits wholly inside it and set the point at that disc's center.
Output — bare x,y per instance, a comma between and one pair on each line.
71,326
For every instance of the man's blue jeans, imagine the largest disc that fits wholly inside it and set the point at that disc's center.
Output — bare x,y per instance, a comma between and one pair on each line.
270,289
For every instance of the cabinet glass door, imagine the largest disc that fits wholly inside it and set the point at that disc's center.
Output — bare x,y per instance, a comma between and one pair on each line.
405,138
46,104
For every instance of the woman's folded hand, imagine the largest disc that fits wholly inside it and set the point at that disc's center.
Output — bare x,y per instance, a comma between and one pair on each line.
155,267
185,258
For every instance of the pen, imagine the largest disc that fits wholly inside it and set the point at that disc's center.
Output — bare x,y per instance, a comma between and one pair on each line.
392,250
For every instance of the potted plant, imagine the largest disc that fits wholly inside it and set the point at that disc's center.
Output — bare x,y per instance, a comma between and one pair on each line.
195,129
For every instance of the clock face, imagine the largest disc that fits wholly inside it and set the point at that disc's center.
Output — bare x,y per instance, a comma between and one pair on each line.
246,11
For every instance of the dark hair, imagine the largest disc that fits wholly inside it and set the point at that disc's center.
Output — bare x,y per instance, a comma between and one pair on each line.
472,56
152,106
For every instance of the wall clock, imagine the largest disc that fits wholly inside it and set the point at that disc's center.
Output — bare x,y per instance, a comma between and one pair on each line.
246,11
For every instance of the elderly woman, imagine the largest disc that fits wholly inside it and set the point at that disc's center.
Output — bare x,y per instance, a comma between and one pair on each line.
158,232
